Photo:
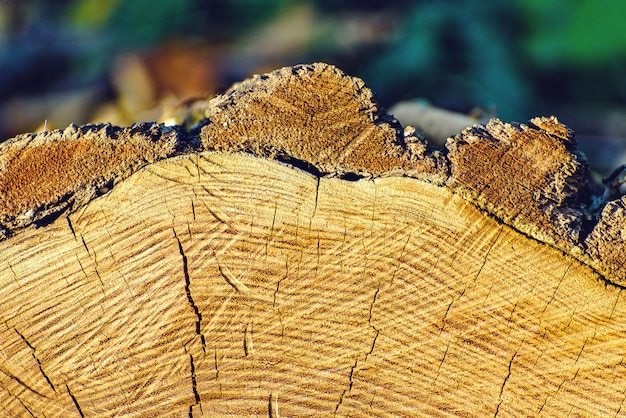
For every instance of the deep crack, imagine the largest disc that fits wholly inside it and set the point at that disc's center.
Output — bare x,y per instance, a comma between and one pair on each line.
317,195
194,386
188,291
69,224
80,411
225,275
36,359
21,383
352,368
269,407
506,379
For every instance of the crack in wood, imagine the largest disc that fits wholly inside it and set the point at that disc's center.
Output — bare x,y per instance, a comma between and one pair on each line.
271,235
317,194
487,254
192,303
349,387
583,347
369,321
230,278
272,406
217,370
615,304
506,379
80,411
194,387
17,280
22,383
279,282
36,359
556,289
69,224
443,359
248,344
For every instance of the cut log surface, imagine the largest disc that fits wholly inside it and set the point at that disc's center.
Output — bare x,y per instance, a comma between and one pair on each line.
217,281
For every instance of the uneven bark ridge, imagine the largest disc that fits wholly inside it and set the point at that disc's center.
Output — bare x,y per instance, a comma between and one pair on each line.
606,245
317,118
44,174
533,178
317,115
530,176
217,283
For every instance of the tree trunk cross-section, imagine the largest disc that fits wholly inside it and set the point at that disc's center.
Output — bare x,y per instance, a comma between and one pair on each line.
210,279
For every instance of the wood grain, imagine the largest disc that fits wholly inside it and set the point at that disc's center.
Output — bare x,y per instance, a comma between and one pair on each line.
152,271
215,292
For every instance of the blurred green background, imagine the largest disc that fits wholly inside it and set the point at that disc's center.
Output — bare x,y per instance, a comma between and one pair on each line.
127,60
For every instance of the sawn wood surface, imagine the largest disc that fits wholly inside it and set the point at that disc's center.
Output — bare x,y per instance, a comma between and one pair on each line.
228,282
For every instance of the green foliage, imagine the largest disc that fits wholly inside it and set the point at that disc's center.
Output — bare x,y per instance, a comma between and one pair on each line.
92,13
455,53
519,56
587,33
136,23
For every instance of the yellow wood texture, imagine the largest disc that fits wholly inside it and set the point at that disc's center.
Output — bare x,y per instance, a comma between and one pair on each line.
228,285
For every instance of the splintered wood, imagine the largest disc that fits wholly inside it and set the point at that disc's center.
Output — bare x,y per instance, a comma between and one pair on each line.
209,279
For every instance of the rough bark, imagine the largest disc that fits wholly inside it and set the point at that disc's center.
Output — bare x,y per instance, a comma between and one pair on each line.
47,173
209,279
318,116
530,176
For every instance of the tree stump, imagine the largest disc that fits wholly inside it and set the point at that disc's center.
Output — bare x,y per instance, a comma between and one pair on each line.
299,255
